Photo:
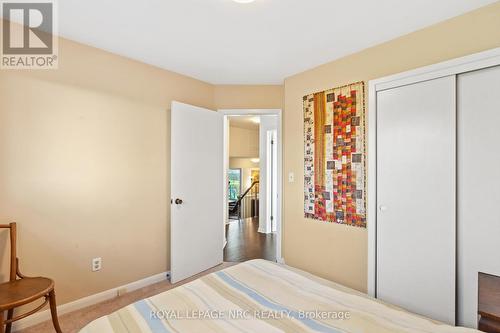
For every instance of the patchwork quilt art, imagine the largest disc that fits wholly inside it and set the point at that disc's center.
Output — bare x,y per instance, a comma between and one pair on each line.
335,155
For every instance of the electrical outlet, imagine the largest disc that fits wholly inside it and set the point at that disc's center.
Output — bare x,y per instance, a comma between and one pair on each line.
96,264
291,177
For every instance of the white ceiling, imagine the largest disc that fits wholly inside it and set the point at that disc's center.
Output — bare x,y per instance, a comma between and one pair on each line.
223,42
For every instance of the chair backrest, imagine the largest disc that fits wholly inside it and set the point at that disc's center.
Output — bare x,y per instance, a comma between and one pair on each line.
13,255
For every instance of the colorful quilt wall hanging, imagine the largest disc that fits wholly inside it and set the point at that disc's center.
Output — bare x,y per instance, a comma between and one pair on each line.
335,155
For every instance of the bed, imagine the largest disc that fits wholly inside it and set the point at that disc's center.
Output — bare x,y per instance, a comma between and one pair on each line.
262,296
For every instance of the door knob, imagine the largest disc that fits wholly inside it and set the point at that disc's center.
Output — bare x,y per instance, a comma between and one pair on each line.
178,201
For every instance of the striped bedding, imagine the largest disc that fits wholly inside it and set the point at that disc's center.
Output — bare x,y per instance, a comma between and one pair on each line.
262,296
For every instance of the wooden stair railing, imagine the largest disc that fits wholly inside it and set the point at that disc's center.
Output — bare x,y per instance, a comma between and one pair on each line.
237,203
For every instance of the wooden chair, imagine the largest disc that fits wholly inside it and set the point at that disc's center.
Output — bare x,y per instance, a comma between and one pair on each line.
21,290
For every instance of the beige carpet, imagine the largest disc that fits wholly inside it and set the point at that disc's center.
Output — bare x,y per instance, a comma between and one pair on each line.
74,321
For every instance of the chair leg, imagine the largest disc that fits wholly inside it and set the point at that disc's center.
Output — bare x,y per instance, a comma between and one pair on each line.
1,322
53,311
10,314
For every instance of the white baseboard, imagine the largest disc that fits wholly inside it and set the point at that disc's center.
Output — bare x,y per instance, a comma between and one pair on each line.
88,301
280,261
263,230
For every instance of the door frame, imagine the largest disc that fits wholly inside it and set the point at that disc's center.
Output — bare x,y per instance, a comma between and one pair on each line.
476,61
271,159
257,112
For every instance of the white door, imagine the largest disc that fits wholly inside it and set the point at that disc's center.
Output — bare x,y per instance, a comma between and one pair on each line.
196,190
478,185
416,197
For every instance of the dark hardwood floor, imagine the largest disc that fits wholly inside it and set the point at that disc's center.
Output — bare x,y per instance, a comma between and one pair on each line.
244,242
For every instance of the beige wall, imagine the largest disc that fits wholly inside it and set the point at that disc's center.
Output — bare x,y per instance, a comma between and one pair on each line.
84,168
243,142
249,97
339,252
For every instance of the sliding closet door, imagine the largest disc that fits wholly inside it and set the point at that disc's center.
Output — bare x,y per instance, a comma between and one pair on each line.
416,197
478,185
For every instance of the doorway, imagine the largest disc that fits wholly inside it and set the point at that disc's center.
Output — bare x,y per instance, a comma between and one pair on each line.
252,167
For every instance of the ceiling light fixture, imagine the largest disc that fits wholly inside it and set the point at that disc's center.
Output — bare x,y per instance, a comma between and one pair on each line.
243,1
255,160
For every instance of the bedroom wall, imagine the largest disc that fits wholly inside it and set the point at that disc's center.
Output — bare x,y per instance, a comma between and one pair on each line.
248,96
335,251
84,168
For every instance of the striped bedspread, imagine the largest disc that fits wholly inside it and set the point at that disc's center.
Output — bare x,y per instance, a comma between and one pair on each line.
261,296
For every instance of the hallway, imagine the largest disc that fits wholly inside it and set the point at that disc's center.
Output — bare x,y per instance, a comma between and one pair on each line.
244,242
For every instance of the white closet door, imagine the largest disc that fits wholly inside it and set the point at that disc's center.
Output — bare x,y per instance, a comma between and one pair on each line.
478,185
416,197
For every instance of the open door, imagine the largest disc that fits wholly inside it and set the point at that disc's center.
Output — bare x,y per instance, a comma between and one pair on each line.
196,190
